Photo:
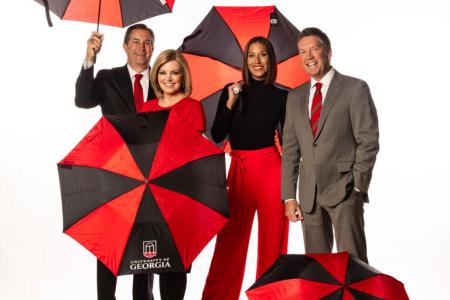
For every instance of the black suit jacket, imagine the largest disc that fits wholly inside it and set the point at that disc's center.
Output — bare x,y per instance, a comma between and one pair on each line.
111,89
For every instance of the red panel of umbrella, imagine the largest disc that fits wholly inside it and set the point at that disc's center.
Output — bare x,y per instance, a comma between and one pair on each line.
108,12
144,192
337,276
214,50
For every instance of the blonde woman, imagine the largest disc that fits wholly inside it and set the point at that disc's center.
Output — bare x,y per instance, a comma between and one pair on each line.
171,81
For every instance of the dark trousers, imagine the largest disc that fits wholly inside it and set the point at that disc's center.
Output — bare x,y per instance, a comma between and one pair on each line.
106,284
172,286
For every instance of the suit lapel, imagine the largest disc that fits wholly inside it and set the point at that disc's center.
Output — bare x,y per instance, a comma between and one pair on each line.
305,112
125,88
330,99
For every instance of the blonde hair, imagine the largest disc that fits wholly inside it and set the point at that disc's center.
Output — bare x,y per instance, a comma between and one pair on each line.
163,58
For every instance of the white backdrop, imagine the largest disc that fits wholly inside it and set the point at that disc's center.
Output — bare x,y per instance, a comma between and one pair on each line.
400,48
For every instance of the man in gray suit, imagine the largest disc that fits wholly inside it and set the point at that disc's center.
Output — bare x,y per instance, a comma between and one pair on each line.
330,140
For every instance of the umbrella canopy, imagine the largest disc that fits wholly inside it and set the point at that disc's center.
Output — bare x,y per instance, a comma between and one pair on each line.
214,50
108,12
143,192
337,276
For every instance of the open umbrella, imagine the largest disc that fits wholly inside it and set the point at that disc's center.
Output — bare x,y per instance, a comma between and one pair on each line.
108,12
143,192
214,50
337,276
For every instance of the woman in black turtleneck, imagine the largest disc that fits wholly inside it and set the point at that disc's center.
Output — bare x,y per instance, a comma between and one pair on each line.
249,113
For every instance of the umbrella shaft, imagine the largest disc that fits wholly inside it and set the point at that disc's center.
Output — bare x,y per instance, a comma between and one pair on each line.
99,10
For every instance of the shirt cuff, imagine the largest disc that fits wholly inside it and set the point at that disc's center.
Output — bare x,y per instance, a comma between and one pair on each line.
87,64
287,200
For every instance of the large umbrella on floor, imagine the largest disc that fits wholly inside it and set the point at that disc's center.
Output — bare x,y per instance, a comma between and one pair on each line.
143,192
337,276
214,50
108,12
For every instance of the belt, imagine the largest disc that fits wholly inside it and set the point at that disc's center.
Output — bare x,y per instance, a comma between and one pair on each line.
237,167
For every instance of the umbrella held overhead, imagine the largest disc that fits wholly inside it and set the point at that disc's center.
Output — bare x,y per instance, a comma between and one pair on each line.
108,12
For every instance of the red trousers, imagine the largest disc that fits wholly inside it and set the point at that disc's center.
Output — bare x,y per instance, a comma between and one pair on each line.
254,185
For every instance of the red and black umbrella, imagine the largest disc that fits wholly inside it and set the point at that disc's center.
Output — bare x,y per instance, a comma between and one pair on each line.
144,192
214,50
337,276
108,12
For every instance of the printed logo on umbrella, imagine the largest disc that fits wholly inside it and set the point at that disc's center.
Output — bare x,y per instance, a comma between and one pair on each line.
150,249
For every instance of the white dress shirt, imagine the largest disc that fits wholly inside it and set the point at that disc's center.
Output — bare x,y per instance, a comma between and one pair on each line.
145,80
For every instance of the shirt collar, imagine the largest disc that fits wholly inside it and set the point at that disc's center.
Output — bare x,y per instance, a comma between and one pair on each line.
326,80
132,72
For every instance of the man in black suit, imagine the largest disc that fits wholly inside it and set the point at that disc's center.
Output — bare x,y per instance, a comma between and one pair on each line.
115,91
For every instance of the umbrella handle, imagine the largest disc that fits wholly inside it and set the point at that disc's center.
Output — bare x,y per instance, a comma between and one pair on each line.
240,103
94,59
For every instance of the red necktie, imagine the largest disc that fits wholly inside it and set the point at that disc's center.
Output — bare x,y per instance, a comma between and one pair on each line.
138,92
316,108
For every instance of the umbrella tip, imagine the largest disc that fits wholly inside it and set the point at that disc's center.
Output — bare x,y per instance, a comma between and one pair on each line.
142,120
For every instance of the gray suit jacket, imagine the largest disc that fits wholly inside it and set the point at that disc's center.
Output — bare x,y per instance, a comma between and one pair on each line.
342,154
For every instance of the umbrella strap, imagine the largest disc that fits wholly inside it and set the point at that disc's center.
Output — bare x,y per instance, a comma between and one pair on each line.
47,13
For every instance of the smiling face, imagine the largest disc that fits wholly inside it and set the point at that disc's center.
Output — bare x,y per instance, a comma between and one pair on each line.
258,61
315,57
170,78
139,49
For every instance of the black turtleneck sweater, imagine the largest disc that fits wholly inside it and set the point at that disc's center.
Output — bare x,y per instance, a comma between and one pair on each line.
251,124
